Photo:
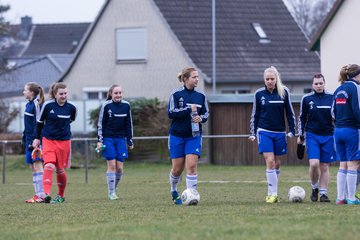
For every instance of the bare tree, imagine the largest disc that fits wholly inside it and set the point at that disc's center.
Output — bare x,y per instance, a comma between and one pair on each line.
4,31
7,114
309,14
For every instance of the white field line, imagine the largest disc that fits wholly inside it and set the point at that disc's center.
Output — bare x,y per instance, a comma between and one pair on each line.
244,181
215,181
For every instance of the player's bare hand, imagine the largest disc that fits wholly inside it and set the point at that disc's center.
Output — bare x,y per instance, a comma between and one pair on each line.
36,143
252,138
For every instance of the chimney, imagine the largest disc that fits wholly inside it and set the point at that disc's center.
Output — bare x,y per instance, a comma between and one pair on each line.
25,27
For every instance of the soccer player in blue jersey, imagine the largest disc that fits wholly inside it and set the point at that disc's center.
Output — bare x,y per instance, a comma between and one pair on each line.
34,93
346,112
317,127
115,131
267,124
186,105
54,125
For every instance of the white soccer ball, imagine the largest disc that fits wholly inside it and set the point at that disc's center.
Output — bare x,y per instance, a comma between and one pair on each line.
190,197
296,194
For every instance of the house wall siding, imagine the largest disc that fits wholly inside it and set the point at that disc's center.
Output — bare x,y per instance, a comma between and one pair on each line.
340,42
97,67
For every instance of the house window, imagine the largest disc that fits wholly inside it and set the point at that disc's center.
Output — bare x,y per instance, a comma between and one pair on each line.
95,92
307,90
92,95
131,44
235,91
263,38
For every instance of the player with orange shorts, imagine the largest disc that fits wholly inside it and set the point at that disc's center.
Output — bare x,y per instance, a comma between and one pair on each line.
54,124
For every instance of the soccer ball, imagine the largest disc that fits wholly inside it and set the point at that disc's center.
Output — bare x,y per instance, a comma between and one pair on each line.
190,197
296,194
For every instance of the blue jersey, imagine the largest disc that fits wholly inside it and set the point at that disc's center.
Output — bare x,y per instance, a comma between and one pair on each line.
269,110
346,105
115,121
31,115
179,110
315,114
57,119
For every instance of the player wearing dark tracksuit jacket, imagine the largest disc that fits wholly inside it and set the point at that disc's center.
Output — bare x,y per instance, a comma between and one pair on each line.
187,108
316,122
115,131
267,124
346,112
54,126
35,94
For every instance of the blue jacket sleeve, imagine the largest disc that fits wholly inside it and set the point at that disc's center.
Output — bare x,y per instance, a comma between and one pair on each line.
129,128
204,111
100,123
73,114
174,111
355,103
304,110
290,115
254,120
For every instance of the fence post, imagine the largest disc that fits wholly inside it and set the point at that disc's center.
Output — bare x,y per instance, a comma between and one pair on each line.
3,162
86,159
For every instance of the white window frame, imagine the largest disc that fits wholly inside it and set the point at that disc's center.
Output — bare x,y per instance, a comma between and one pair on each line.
131,44
235,91
263,38
99,90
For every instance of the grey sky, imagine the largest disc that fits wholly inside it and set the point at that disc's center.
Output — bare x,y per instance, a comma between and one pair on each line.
52,11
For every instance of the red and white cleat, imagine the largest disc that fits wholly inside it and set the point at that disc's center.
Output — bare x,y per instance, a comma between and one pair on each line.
35,199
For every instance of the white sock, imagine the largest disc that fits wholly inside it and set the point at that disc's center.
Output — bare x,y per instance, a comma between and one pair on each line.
38,184
191,181
118,178
323,191
35,183
315,185
110,177
272,181
351,178
174,180
278,175
341,184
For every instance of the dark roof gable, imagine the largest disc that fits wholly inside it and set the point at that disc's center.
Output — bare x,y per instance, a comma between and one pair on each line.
56,38
240,55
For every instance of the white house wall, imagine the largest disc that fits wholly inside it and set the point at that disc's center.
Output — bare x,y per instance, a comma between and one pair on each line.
97,67
339,44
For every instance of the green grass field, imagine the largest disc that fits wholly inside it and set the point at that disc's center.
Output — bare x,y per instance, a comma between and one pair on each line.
231,209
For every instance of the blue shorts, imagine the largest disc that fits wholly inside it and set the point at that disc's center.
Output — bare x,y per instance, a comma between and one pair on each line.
320,147
28,158
180,147
347,143
115,148
272,142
